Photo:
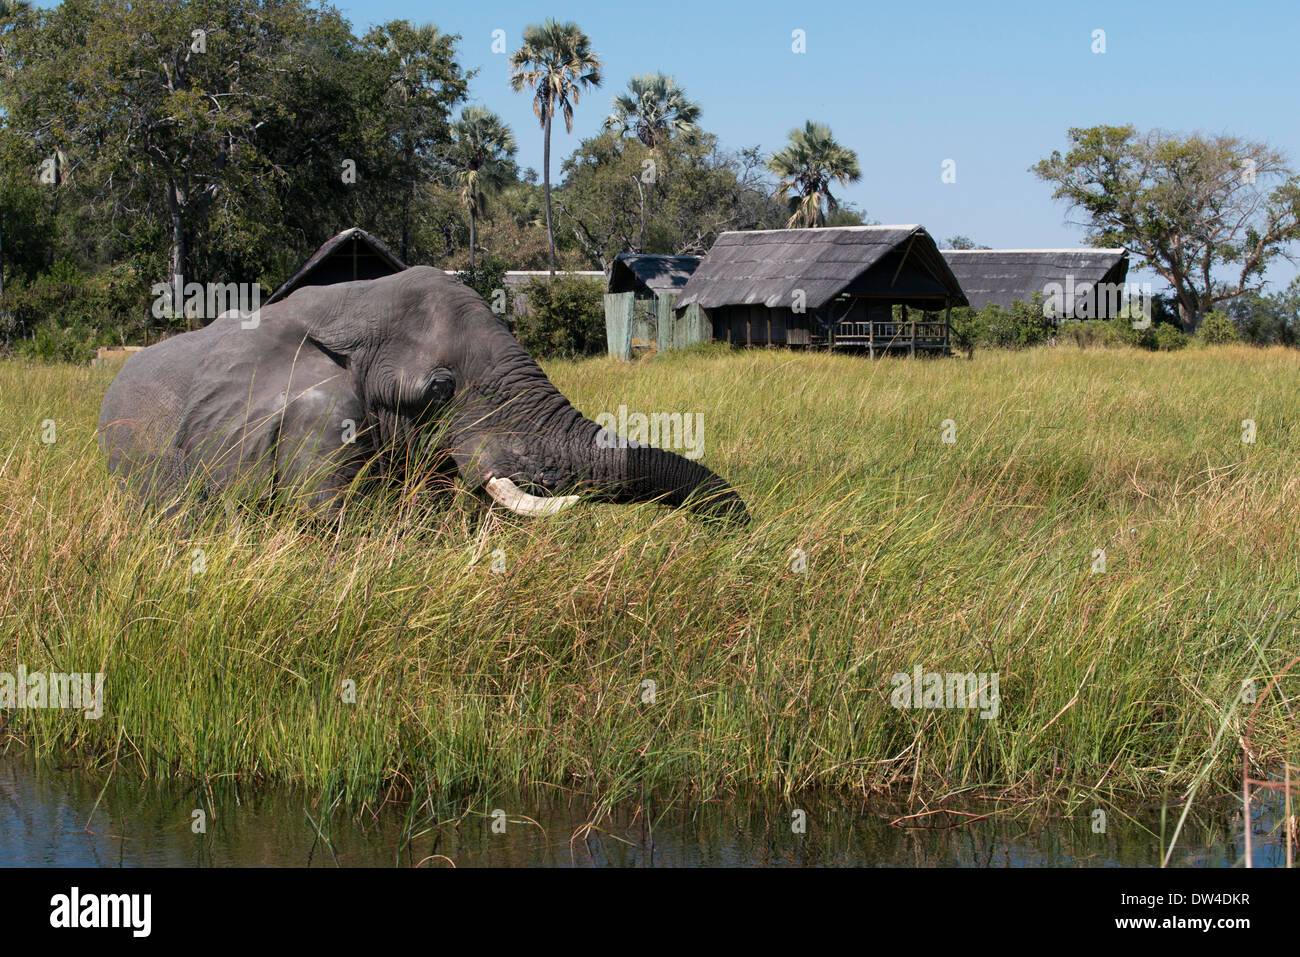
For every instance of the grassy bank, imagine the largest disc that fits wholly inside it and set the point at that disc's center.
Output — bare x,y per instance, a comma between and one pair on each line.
974,556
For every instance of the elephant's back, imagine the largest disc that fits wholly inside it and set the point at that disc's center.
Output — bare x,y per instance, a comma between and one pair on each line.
145,402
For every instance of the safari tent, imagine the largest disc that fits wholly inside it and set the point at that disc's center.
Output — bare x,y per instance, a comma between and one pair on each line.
352,254
833,287
1003,276
640,305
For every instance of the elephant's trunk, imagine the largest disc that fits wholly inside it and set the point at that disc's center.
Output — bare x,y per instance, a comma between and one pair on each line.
626,471
523,430
638,473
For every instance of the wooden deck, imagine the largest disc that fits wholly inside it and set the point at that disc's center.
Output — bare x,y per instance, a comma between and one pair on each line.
887,336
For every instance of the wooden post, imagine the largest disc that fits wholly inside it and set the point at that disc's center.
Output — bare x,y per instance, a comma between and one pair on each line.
947,324
912,329
871,333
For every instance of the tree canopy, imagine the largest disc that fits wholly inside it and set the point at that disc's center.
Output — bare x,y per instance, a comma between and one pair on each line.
654,109
1208,213
808,166
619,197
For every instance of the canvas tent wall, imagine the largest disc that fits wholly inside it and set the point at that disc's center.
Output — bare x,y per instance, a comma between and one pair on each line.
1003,276
352,254
834,287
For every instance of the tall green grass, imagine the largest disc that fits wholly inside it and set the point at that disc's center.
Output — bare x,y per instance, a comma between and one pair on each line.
974,556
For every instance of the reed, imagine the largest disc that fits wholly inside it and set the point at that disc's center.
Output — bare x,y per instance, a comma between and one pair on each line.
623,648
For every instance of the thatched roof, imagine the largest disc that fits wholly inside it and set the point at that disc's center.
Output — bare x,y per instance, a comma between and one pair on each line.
767,267
352,254
1002,276
648,274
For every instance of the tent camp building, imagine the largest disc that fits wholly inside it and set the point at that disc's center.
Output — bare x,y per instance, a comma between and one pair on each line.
352,254
1074,283
833,287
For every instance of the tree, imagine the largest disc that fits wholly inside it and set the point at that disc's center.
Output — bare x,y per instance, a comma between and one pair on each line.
158,106
807,167
514,226
422,83
1193,207
847,214
697,192
10,10
140,105
25,211
962,242
249,130
557,63
655,109
1268,319
482,156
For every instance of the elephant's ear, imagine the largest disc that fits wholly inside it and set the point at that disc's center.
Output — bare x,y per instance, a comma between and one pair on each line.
340,359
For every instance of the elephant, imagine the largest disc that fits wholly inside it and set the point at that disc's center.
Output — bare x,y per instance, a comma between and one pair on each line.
343,380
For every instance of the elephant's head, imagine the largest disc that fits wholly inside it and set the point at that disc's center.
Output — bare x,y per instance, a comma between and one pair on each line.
421,347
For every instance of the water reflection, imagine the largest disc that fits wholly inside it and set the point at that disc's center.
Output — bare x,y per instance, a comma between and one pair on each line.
69,817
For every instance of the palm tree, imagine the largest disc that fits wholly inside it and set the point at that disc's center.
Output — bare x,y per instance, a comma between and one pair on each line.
654,109
806,167
556,62
482,155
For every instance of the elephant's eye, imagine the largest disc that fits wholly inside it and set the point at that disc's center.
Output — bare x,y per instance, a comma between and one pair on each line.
426,394
441,388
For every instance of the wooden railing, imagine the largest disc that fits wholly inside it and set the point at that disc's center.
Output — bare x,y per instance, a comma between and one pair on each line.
891,334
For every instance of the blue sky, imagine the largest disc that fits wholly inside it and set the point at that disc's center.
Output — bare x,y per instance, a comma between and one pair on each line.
993,86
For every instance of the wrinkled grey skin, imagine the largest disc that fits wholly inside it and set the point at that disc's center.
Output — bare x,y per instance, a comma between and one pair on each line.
415,353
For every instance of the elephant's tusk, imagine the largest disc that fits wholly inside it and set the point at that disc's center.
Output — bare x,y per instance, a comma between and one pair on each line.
507,494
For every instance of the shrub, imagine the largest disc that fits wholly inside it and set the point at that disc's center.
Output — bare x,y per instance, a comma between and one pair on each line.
1217,328
1169,338
1162,336
488,279
54,342
1089,333
64,314
1268,319
1022,325
565,317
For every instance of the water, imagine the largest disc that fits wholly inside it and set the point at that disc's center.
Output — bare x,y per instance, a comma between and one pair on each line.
73,818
